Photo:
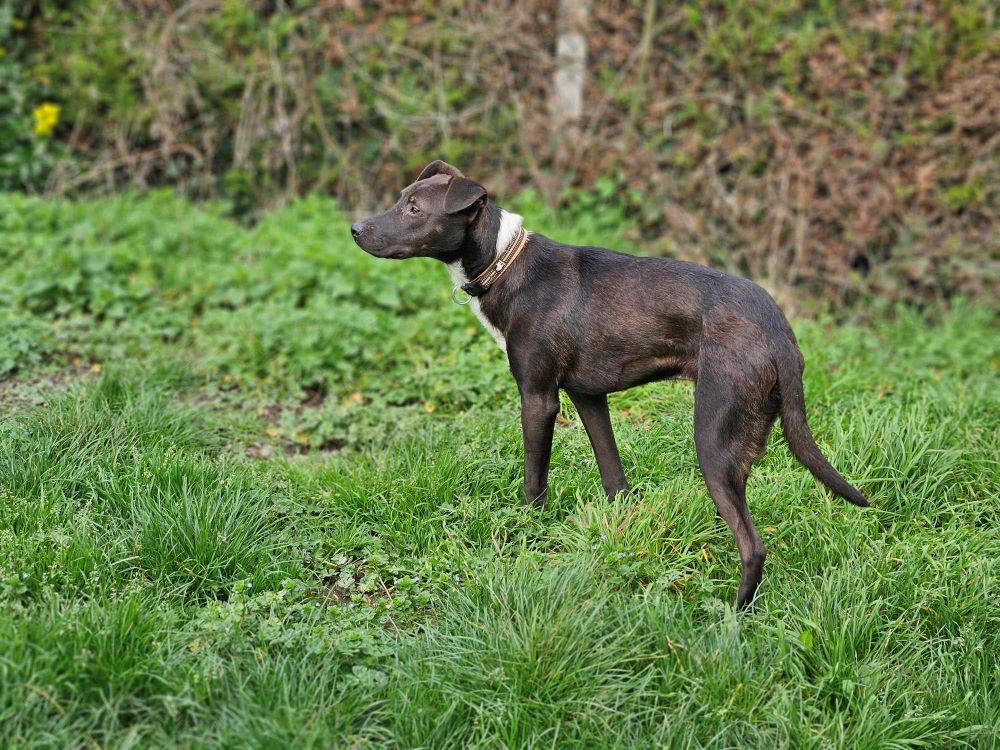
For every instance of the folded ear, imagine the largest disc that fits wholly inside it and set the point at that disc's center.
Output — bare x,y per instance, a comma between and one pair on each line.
439,167
461,194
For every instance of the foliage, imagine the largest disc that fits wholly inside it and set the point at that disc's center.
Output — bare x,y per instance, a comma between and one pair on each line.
27,119
165,580
130,275
841,149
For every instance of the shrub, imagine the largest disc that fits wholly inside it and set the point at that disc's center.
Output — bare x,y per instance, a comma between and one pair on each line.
842,149
28,117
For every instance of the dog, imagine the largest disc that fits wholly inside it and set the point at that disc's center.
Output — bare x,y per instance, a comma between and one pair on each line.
593,321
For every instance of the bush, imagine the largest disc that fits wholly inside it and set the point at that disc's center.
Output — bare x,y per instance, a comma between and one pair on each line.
843,149
28,117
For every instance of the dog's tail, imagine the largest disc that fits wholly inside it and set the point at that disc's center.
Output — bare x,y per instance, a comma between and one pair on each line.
799,436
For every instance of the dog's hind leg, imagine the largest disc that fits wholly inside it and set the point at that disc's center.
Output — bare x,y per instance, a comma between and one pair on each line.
593,412
732,420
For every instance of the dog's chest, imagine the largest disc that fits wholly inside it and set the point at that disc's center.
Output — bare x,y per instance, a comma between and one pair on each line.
459,278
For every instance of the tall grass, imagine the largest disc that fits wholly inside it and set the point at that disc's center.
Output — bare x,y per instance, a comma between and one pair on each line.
162,584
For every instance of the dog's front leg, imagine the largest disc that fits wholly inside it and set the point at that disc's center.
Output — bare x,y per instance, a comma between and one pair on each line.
538,417
593,412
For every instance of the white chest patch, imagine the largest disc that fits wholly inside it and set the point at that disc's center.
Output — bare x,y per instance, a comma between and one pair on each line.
459,278
510,224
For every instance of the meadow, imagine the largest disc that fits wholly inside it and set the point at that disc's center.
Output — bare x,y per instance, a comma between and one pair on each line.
258,489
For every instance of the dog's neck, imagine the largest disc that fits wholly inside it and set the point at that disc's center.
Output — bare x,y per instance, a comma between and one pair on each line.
494,229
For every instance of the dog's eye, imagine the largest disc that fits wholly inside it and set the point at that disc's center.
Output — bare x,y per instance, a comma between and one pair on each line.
412,208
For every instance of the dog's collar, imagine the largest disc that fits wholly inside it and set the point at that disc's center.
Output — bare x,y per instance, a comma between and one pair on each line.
482,283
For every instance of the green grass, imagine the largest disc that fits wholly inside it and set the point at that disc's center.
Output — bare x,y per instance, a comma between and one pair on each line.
258,489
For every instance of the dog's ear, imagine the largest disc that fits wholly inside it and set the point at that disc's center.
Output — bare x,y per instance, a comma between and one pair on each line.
462,194
439,167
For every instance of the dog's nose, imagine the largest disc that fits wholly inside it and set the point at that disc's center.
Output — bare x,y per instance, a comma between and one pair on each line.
356,228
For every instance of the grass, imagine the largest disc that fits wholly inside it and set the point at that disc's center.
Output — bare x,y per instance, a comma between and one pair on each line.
257,489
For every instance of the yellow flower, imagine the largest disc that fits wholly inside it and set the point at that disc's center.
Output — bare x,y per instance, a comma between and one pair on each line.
46,116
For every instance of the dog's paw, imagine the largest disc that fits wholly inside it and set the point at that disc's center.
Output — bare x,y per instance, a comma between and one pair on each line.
538,501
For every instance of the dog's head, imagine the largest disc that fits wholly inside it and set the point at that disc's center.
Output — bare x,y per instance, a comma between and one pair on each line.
430,219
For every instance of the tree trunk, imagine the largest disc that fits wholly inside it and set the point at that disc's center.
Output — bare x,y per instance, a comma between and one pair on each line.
566,105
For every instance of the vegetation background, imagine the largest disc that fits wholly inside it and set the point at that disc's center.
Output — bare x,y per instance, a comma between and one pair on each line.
844,148
258,489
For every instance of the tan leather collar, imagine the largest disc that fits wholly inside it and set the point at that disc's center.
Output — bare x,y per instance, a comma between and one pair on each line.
482,283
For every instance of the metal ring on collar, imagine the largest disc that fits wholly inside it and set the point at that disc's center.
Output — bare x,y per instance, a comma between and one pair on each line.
455,298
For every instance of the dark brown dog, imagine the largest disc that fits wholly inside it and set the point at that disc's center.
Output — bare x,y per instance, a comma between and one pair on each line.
593,321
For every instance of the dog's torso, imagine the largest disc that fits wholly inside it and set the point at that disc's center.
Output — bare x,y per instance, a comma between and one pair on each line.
593,320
